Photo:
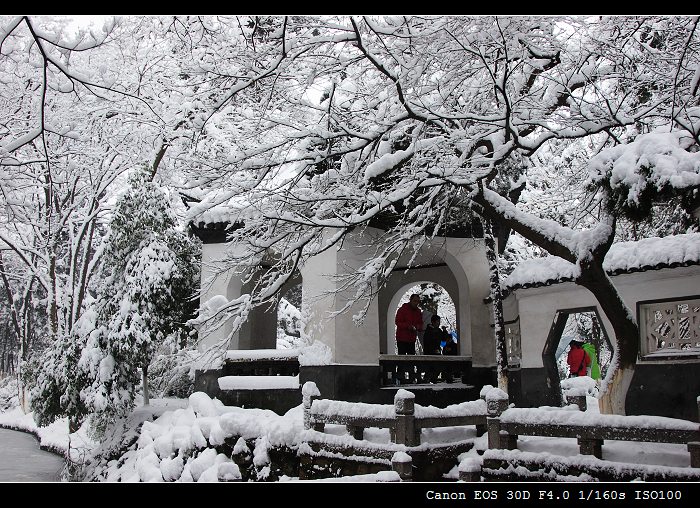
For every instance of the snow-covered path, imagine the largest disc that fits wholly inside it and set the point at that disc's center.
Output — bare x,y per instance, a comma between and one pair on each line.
21,459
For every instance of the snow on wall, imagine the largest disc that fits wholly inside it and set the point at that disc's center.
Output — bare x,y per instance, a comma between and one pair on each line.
262,354
258,382
623,256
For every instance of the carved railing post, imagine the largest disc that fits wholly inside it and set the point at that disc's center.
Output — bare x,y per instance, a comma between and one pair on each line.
406,432
402,463
309,393
496,404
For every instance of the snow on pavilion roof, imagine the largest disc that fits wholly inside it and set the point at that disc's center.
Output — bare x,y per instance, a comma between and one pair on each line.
624,257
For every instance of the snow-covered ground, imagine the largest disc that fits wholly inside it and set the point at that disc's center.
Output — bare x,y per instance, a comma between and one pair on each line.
178,438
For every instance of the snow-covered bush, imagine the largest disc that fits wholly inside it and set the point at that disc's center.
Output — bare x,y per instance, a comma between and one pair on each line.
202,442
147,277
172,375
55,381
8,393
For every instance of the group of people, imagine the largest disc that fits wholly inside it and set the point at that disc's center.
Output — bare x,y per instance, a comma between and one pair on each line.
582,356
437,340
409,325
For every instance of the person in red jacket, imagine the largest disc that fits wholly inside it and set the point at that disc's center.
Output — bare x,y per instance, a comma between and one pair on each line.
409,321
577,359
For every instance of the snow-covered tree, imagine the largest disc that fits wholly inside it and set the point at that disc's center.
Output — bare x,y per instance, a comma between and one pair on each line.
70,104
147,277
422,121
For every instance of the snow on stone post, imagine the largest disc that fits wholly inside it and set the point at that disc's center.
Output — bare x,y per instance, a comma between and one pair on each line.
402,463
496,403
309,392
484,390
576,389
470,470
406,432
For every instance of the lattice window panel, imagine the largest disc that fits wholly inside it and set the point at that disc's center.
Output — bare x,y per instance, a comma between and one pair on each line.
513,345
670,326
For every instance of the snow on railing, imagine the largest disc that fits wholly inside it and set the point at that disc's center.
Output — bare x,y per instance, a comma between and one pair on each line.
591,429
404,419
591,419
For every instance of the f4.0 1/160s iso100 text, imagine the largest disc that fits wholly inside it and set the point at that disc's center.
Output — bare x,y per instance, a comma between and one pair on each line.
629,494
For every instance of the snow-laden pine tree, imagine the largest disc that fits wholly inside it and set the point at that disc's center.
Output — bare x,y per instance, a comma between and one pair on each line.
147,277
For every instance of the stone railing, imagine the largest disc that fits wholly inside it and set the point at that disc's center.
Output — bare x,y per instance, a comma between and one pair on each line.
404,419
591,430
397,370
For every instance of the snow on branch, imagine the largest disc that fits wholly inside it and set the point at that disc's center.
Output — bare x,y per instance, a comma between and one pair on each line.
658,160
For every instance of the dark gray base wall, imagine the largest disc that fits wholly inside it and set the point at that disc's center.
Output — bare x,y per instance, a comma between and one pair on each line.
534,389
207,381
481,376
657,389
665,390
362,383
353,383
669,390
278,400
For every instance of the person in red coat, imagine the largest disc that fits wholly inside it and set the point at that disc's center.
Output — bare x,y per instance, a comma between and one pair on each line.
409,321
577,359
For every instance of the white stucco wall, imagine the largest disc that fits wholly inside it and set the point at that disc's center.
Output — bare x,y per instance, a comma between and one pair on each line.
465,276
215,282
349,343
466,257
537,306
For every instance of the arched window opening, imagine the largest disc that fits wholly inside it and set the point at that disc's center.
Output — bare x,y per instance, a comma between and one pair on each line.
434,300
289,321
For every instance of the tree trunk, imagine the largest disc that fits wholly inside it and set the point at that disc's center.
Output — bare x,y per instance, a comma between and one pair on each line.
499,330
612,399
73,425
22,391
146,397
618,379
